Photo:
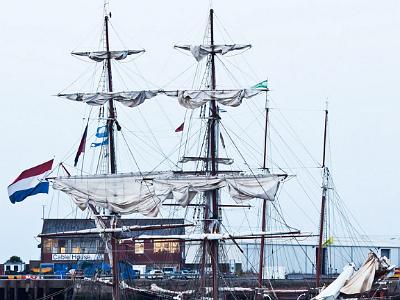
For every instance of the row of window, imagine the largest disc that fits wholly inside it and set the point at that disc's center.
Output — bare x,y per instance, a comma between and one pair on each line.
159,246
97,246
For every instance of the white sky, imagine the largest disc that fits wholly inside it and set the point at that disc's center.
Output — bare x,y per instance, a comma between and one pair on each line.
340,50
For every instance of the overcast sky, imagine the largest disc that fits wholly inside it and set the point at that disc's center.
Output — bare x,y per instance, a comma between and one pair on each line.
346,52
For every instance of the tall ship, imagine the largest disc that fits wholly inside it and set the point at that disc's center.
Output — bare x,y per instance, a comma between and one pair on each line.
188,204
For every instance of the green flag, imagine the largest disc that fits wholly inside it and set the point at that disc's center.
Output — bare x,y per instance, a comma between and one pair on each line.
261,85
328,242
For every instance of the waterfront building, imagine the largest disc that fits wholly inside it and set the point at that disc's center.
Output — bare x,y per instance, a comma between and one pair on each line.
65,252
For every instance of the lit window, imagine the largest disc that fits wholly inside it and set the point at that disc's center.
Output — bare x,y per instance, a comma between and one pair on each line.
76,250
63,250
174,247
165,246
139,247
50,246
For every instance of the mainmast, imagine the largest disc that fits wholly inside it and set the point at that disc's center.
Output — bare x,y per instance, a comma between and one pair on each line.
264,206
113,165
213,197
111,110
320,250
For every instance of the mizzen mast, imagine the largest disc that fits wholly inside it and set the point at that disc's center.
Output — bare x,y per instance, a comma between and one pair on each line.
264,205
320,251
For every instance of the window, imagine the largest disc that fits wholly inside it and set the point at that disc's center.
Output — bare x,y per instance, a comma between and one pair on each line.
15,268
385,252
50,246
62,245
165,246
139,247
76,250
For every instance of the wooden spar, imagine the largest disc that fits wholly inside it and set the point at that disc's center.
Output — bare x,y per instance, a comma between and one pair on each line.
323,205
113,166
202,205
264,206
213,148
230,237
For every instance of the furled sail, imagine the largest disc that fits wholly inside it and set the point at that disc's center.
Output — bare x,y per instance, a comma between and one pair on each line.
124,194
195,99
99,56
219,236
130,193
128,98
201,51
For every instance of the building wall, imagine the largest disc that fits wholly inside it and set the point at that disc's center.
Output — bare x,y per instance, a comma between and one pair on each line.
11,268
150,253
295,258
301,258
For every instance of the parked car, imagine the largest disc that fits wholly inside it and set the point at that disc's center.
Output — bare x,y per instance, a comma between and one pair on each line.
189,274
155,274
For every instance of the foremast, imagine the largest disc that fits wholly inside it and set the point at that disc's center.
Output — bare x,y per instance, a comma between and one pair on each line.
111,119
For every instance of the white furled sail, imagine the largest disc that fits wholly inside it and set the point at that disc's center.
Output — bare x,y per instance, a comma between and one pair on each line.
193,99
128,98
100,56
201,51
122,193
362,280
131,193
332,291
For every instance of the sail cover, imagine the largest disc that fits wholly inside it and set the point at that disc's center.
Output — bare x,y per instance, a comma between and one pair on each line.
99,56
195,99
129,98
201,51
128,193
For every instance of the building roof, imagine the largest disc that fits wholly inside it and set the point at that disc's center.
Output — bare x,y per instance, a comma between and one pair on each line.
62,225
9,262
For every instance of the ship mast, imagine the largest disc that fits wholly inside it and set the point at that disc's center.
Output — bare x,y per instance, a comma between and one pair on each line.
113,165
213,197
264,206
320,251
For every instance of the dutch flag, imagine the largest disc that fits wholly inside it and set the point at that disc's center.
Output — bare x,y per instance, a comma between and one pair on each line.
30,182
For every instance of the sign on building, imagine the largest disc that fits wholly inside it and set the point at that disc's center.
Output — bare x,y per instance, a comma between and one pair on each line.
77,256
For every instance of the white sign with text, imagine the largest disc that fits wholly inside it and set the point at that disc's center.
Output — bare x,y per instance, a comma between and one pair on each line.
77,256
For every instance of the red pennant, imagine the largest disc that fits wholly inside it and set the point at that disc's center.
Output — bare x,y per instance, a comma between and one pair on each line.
81,148
180,128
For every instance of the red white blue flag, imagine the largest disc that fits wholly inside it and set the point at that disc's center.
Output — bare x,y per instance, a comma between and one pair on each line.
30,182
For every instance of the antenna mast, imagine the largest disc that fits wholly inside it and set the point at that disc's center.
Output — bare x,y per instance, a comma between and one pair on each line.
320,250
